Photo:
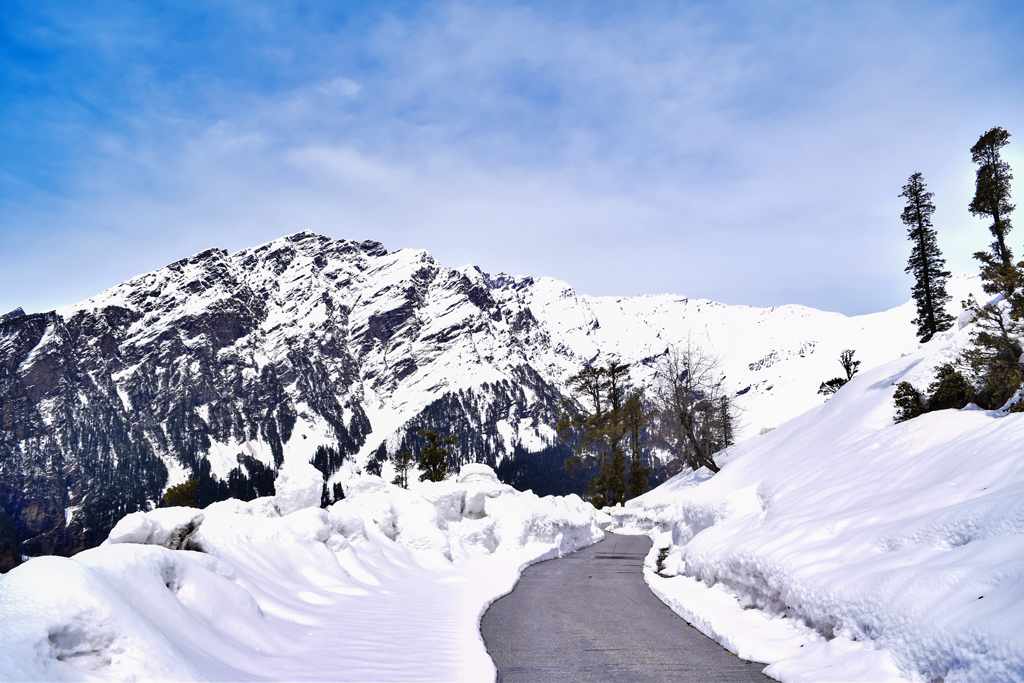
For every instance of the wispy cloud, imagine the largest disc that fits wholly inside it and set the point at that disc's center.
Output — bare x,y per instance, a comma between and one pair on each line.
745,152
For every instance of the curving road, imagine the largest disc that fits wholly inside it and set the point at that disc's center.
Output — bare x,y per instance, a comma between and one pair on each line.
590,617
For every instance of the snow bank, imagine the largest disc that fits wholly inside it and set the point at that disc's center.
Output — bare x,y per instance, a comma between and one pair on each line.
841,546
384,585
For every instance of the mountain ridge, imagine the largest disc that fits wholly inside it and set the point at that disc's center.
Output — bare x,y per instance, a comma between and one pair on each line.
220,366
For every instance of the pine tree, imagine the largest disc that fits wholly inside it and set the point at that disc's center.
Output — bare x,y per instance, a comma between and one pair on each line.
10,550
403,463
596,426
909,402
726,418
183,495
995,355
614,474
992,200
950,389
434,455
604,424
636,418
583,419
926,262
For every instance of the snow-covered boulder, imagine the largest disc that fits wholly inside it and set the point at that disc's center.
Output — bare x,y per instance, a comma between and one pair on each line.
168,527
474,473
402,516
265,506
466,495
473,503
298,485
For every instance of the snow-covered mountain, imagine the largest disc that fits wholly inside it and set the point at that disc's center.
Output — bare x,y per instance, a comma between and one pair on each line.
222,366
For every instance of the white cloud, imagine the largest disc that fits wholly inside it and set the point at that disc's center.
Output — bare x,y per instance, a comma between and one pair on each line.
341,87
649,151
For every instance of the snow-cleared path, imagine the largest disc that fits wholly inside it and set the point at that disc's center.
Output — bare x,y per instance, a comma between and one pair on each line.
590,617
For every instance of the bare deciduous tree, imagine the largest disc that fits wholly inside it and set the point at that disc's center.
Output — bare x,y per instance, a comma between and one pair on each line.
695,412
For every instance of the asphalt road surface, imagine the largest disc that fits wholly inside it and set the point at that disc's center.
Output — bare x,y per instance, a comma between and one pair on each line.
590,617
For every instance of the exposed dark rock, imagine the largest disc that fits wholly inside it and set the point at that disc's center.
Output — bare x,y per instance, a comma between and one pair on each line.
220,355
11,315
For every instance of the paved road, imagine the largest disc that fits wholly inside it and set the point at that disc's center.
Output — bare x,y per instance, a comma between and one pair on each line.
590,617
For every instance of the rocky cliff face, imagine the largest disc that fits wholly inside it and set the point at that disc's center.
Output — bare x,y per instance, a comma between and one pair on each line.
221,366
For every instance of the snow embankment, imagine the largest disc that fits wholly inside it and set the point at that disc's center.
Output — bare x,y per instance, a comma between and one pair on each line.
843,547
385,585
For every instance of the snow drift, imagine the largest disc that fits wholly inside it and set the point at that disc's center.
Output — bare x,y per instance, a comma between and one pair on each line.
387,584
843,547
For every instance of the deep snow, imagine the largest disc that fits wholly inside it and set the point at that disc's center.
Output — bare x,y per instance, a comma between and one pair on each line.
844,547
384,585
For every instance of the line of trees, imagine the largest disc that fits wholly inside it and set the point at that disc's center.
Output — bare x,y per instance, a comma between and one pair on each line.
613,425
989,372
433,462
607,423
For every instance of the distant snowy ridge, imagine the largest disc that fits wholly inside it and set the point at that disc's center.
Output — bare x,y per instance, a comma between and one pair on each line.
872,551
223,366
386,585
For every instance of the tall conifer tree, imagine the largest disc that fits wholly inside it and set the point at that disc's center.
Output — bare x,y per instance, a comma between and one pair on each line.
926,262
995,357
614,476
636,418
434,455
992,200
403,463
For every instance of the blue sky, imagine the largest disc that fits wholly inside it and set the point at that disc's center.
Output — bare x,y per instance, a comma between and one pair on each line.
747,152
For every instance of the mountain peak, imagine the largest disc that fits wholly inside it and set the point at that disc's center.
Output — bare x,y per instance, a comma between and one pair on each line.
11,315
220,367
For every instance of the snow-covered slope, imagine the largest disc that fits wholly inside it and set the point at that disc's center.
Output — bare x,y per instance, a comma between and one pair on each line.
386,585
222,366
871,550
